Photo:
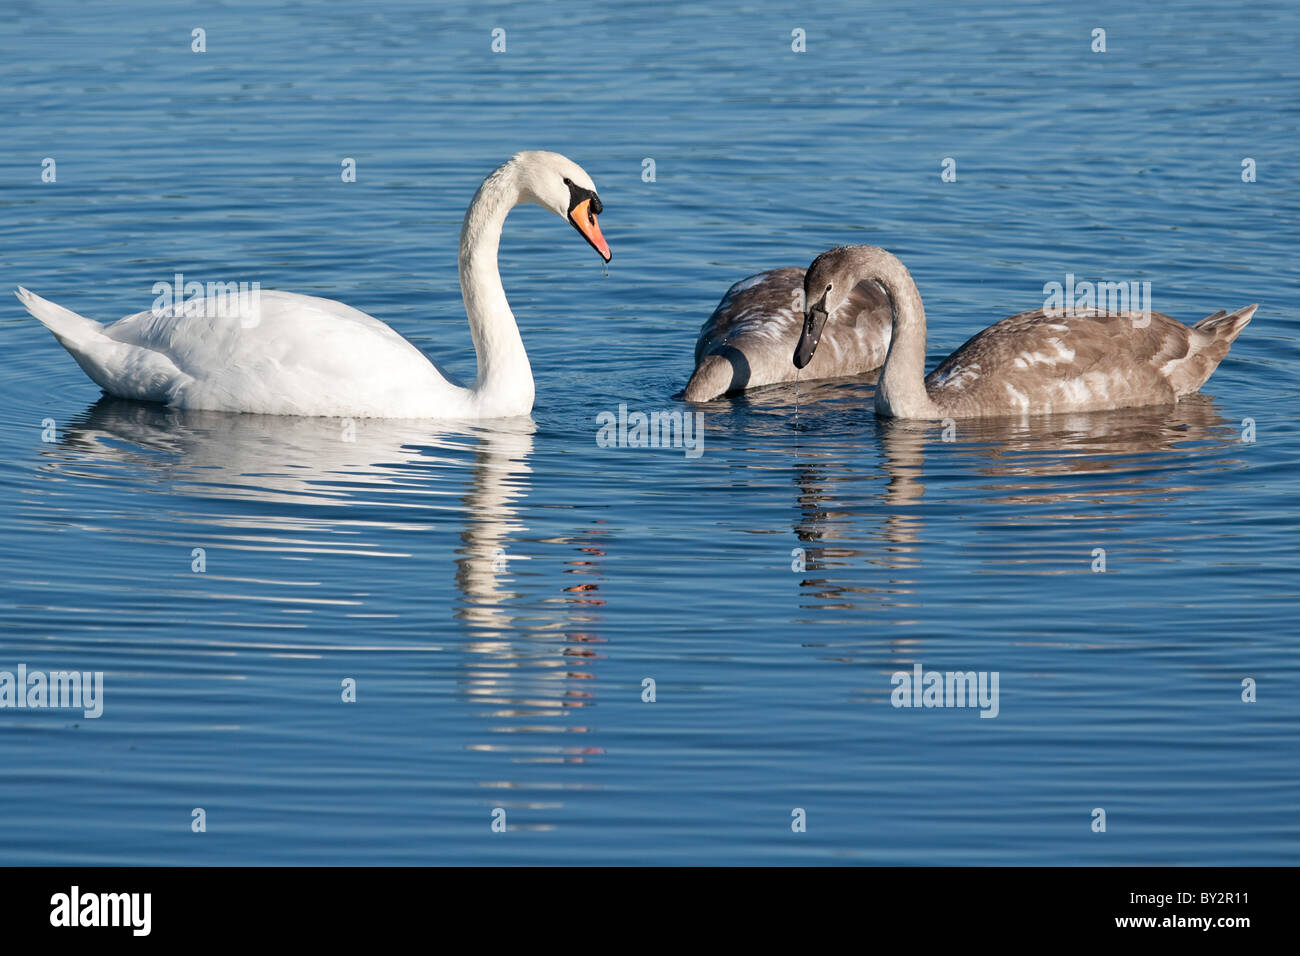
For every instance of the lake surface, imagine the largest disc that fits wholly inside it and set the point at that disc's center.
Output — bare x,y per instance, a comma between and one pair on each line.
500,592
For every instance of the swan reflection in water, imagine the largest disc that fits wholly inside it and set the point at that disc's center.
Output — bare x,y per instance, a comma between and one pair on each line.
270,459
1066,471
524,686
321,487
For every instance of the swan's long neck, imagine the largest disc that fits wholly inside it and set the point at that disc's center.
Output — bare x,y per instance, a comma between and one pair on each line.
901,392
505,379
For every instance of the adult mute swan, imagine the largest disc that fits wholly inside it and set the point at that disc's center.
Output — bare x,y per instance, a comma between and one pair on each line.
281,353
746,342
1033,363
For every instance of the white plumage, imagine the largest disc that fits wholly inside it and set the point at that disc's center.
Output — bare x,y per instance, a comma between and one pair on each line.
282,353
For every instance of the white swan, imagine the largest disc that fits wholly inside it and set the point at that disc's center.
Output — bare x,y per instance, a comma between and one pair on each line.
1032,363
280,353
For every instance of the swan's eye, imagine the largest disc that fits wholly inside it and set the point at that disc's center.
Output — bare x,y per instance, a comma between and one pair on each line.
829,286
568,181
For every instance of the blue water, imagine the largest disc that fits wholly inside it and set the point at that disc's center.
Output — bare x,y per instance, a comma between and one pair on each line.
499,593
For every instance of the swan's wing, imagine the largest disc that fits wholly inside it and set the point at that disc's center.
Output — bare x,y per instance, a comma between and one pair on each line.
764,307
1036,362
766,311
282,353
281,326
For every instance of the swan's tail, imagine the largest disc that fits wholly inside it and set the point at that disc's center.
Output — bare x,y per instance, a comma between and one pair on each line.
69,328
1226,326
120,369
1208,348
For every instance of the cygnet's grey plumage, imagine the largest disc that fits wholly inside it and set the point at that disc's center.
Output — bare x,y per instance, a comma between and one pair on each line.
1033,363
748,339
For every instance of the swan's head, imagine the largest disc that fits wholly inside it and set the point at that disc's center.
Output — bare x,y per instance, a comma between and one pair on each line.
559,184
826,286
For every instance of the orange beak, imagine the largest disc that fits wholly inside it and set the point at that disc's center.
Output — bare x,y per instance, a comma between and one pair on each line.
584,220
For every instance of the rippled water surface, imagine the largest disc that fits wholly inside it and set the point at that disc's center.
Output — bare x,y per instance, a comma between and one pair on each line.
499,592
